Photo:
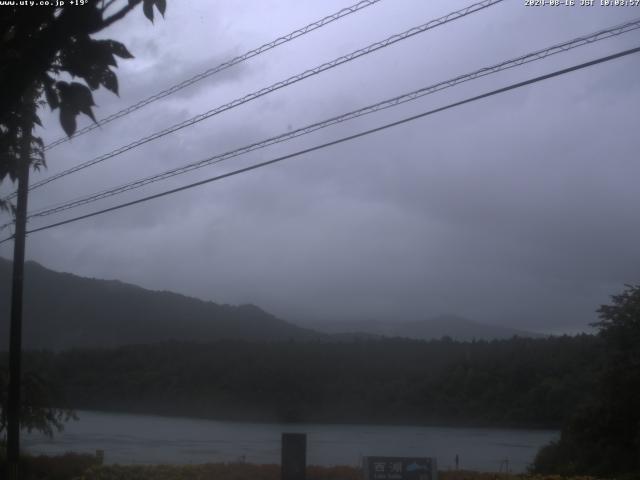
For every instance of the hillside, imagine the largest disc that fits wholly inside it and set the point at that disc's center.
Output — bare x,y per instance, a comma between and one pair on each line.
62,311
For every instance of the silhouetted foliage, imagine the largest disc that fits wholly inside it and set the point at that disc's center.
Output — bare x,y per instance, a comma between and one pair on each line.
36,411
603,436
39,45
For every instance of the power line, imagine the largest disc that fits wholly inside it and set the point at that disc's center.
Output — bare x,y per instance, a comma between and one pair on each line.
219,68
276,86
398,100
342,140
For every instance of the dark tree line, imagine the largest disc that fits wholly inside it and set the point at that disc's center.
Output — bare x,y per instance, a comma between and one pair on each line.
517,382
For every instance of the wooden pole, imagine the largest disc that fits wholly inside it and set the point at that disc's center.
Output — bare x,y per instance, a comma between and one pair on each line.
15,334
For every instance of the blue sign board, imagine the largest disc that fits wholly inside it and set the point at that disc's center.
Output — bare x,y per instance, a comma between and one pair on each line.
400,468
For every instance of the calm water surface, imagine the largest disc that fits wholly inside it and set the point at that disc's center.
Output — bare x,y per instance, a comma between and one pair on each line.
135,439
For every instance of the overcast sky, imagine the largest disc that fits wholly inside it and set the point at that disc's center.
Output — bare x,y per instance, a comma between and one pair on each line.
519,210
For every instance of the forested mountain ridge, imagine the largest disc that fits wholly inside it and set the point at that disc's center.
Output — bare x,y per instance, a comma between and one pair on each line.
62,311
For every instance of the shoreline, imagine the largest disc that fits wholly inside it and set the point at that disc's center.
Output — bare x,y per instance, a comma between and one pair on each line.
145,439
364,422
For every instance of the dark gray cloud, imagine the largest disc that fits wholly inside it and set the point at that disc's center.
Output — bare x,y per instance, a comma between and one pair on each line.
518,209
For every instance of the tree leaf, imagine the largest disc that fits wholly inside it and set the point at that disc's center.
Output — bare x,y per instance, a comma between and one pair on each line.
80,95
86,109
119,49
75,98
93,77
63,89
104,52
67,120
147,8
110,81
161,5
52,96
49,92
88,59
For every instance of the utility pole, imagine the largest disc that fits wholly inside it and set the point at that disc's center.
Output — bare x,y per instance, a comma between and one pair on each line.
15,335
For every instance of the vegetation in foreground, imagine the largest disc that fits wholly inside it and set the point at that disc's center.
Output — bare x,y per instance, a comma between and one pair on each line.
241,471
602,436
69,466
86,467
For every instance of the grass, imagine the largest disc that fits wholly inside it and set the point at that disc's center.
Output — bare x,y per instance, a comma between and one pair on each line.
63,467
242,471
72,466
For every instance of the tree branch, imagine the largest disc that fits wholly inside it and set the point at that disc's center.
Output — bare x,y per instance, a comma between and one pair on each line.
108,4
120,13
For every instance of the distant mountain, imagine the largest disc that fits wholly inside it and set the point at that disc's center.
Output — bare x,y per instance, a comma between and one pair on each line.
62,311
457,328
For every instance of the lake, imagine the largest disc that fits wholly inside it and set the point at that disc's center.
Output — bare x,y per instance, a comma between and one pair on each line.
145,439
